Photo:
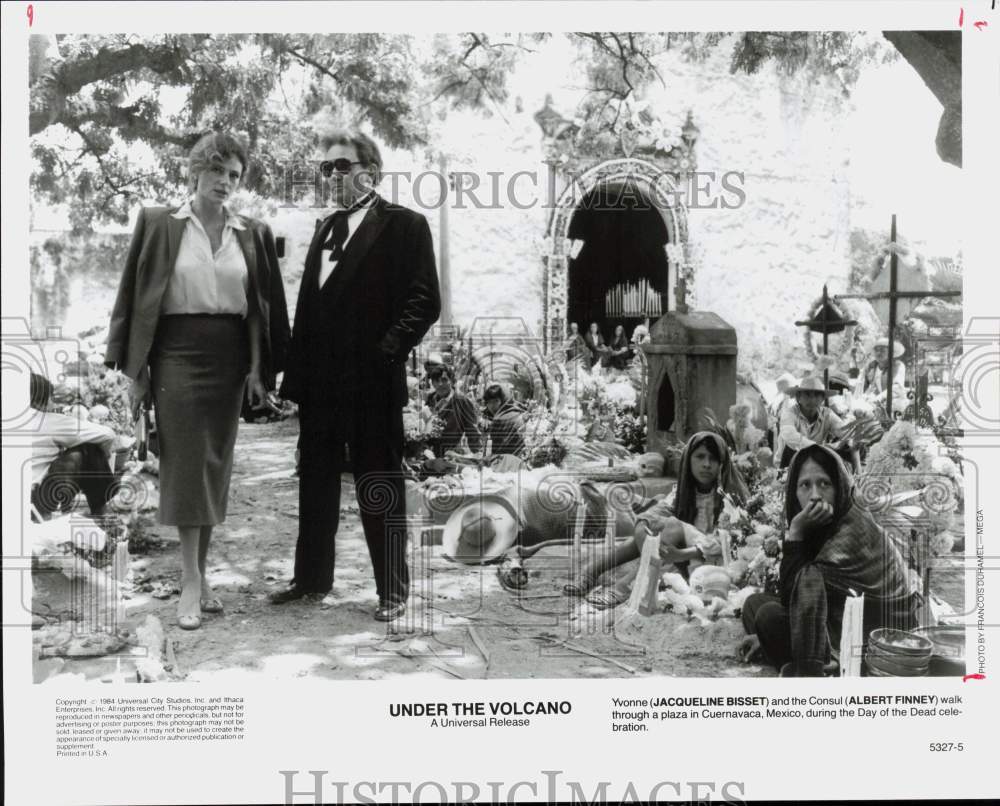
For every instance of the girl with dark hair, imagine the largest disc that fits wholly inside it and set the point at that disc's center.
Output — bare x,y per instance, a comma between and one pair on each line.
832,548
684,521
200,319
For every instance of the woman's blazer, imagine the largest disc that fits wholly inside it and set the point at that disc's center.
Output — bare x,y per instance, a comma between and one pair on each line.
150,261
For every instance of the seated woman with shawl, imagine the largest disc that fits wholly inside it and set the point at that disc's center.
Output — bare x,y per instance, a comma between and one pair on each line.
832,548
684,522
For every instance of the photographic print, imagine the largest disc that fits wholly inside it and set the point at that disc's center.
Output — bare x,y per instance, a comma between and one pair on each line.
487,355
439,402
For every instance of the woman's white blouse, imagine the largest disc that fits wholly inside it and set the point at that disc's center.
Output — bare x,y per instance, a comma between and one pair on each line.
203,282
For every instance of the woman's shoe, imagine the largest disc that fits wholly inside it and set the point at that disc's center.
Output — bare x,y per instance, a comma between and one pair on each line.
189,622
212,604
605,598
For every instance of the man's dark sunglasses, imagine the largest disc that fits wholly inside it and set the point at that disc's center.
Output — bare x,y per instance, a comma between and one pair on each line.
342,165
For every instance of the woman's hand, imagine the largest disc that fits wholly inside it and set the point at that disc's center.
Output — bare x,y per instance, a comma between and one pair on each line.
816,513
749,648
256,393
139,392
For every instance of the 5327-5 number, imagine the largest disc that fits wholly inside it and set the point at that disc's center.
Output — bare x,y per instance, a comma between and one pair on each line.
946,747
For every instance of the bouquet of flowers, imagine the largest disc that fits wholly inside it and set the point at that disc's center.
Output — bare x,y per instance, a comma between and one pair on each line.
754,530
420,428
912,491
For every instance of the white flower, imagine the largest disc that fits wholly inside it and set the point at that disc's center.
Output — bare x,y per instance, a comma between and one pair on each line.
944,466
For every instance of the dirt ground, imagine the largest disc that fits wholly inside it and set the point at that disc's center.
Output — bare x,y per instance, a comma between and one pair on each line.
455,613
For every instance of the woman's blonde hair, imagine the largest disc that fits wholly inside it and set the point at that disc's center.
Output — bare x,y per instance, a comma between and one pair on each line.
213,149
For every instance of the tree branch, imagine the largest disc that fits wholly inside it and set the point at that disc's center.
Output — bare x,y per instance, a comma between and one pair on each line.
131,126
313,63
68,77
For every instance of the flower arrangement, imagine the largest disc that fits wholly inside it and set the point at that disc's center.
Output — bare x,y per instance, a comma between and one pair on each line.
910,489
93,392
420,428
630,430
754,530
638,117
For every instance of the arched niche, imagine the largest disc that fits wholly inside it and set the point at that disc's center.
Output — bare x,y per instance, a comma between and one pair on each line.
660,188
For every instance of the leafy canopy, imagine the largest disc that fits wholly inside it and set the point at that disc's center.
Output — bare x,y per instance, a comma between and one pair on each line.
112,117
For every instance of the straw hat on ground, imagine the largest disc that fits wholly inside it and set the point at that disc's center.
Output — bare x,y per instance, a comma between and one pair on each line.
481,530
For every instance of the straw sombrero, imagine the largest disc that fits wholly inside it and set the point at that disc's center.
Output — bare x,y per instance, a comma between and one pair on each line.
810,384
897,349
481,530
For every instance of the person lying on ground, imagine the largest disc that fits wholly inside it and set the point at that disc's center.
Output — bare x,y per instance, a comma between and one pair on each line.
684,522
833,548
69,455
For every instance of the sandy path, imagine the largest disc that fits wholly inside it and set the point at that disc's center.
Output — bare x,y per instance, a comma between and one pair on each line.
252,555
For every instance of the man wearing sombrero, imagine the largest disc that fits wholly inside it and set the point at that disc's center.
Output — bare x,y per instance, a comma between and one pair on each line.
877,372
808,420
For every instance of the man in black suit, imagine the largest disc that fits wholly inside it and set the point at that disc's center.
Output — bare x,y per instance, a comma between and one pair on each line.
369,294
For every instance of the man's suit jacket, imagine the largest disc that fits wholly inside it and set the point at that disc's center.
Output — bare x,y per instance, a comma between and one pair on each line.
351,338
150,261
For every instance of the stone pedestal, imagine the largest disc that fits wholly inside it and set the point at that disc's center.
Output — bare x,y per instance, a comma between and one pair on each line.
692,366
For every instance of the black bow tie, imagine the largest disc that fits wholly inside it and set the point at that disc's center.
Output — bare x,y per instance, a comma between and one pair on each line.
339,229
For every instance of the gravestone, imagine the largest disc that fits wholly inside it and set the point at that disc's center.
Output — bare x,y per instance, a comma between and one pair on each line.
692,366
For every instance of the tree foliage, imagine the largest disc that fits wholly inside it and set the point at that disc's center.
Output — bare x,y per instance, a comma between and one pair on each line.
112,117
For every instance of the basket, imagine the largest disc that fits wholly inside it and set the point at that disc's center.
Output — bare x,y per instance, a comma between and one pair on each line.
948,655
895,653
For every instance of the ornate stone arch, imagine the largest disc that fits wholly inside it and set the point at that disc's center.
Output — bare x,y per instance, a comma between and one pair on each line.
662,190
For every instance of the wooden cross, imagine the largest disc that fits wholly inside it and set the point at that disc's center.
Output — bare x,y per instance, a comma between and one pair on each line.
826,320
893,295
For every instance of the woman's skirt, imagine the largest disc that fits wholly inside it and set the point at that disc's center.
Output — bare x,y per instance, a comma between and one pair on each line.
199,365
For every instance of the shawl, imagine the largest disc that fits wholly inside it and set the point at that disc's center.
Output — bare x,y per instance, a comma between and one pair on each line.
850,555
852,551
730,480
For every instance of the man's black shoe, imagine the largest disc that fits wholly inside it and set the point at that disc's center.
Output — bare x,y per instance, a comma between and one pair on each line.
289,594
389,611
